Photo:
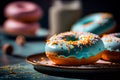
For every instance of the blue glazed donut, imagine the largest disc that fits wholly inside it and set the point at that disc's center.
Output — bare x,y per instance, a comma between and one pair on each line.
73,48
112,45
97,23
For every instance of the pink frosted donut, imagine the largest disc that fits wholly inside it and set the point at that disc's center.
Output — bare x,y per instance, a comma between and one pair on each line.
15,27
23,11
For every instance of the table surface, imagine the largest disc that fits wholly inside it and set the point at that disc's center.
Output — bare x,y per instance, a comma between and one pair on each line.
16,68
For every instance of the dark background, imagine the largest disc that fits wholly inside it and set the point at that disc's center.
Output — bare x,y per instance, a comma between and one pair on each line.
89,6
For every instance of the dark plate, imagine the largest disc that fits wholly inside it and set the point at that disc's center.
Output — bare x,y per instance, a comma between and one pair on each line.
100,70
41,34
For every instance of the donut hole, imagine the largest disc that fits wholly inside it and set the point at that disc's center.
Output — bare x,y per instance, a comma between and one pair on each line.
70,38
87,22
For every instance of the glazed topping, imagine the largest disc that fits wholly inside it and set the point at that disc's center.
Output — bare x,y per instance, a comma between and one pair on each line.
112,42
75,44
94,23
106,15
20,6
74,38
111,37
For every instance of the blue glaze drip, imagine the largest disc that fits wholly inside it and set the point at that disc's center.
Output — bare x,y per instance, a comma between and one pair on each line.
98,25
79,51
112,42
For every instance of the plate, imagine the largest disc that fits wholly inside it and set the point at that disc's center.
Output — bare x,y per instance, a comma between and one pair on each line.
41,34
100,70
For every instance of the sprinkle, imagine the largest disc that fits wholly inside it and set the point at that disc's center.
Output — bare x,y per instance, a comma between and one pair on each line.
42,58
85,39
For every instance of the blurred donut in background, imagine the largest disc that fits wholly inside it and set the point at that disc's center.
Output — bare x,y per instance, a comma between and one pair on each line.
97,23
15,27
23,11
112,45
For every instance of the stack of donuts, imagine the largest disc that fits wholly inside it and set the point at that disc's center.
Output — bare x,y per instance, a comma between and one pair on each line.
23,17
83,45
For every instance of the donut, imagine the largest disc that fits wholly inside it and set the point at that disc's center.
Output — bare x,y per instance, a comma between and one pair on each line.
73,48
97,23
14,27
23,11
112,45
